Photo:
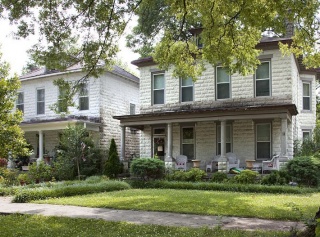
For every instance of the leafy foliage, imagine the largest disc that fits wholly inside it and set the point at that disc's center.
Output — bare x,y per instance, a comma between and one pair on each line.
113,166
219,177
147,168
40,172
3,162
246,177
276,178
193,175
8,177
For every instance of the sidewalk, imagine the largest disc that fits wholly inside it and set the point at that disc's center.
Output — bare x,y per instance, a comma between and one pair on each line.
145,217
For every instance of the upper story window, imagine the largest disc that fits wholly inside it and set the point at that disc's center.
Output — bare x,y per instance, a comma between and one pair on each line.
62,106
306,96
84,97
186,90
228,139
222,83
20,102
306,134
263,79
263,141
40,101
158,88
132,109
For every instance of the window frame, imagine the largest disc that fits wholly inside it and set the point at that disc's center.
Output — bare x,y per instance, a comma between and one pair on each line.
132,108
40,101
153,89
218,127
181,90
186,143
20,106
86,84
309,96
256,140
309,131
216,77
263,79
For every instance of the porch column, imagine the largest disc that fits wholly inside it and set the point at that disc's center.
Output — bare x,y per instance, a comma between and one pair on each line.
284,127
169,143
123,143
223,162
40,145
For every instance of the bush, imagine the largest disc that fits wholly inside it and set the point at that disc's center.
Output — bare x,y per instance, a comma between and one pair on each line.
9,177
193,175
40,172
63,168
65,190
219,177
275,178
113,166
304,171
147,168
246,177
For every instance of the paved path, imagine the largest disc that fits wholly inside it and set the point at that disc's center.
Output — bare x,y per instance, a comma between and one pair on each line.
145,217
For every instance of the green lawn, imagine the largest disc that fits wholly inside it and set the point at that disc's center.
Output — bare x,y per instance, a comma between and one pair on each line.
269,206
33,225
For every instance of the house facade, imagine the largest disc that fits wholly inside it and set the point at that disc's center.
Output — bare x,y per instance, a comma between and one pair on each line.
254,116
114,92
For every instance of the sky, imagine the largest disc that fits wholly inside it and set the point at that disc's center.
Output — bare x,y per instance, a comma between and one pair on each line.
15,51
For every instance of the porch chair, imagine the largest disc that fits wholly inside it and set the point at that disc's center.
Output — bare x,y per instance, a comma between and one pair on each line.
181,162
234,162
213,164
272,164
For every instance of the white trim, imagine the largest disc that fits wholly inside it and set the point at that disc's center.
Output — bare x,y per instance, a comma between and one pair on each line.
263,79
153,90
216,84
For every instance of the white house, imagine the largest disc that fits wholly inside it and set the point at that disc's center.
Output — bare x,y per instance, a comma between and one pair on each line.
113,93
254,116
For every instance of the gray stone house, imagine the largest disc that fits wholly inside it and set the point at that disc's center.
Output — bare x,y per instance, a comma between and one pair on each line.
254,116
115,92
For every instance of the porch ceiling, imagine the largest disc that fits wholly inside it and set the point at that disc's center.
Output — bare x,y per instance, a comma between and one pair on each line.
57,125
209,114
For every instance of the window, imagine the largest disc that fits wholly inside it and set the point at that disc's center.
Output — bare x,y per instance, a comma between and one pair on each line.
20,102
62,106
132,109
263,79
158,88
306,96
263,137
199,42
228,139
186,90
84,97
40,101
187,141
223,83
306,134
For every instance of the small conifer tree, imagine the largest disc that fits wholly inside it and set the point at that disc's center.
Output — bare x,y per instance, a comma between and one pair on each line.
113,166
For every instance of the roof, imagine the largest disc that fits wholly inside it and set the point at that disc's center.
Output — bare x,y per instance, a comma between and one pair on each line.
76,68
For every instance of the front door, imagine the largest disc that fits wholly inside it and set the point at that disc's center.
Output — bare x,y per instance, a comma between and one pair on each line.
159,147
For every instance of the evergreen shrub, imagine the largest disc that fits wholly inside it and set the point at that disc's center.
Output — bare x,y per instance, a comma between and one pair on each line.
147,168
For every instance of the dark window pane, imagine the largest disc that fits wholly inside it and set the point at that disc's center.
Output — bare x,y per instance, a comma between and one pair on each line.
158,97
223,91
40,95
222,75
262,88
187,94
306,135
188,150
306,103
132,109
84,103
40,108
306,89
20,99
262,71
263,132
159,131
263,150
158,81
187,134
20,107
187,82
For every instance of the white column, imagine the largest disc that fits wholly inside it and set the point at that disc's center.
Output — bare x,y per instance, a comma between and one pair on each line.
123,142
284,132
40,145
169,143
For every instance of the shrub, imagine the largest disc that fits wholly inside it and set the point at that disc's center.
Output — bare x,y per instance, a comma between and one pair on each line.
147,168
304,171
246,177
275,178
193,175
40,172
9,177
63,168
219,177
113,166
24,178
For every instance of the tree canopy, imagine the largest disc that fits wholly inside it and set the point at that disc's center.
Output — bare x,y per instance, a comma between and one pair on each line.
73,31
11,135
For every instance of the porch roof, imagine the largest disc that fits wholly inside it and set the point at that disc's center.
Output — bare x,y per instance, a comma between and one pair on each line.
209,114
59,124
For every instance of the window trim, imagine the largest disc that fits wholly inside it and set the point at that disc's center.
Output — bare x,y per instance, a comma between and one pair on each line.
256,140
44,101
153,90
216,83
84,96
306,131
181,88
218,128
194,140
270,78
20,104
310,96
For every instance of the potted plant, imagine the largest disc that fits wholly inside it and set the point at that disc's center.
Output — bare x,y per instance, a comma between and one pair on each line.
23,179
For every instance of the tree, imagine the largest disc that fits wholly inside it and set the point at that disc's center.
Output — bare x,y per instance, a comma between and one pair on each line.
11,135
88,31
113,166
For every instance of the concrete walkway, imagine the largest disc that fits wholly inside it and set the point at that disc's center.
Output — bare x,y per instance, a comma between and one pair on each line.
145,217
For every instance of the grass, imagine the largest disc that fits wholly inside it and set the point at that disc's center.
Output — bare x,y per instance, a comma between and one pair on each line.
34,225
269,206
